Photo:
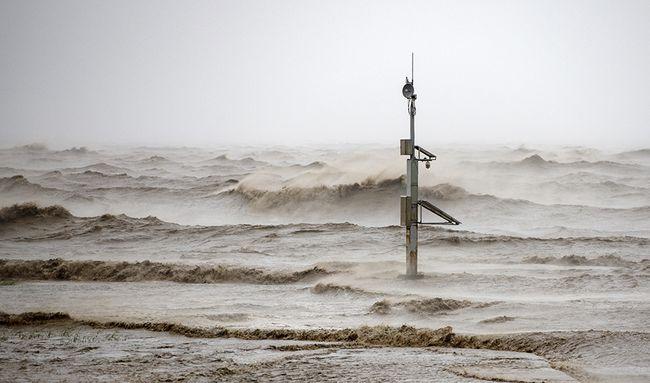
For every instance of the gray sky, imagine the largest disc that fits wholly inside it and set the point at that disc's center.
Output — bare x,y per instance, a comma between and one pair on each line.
212,72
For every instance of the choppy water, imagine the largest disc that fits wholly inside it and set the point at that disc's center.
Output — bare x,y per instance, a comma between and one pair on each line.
553,239
67,352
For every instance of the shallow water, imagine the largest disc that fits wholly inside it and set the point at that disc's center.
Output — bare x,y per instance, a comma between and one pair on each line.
60,353
296,306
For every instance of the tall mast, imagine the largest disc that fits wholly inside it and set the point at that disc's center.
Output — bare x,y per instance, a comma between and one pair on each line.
411,205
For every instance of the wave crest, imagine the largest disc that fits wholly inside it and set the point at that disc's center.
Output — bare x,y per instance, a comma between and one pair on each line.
329,288
424,306
32,210
59,269
266,199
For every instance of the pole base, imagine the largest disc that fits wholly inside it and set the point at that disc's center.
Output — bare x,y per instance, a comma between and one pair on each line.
410,277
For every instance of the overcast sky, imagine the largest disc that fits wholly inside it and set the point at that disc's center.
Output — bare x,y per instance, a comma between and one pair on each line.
213,72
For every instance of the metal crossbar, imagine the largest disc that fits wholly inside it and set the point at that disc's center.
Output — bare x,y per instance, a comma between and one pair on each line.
449,220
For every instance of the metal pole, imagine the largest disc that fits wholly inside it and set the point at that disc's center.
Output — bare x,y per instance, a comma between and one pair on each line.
410,204
412,191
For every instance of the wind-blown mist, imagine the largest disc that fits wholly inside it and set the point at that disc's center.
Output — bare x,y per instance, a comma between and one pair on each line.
569,191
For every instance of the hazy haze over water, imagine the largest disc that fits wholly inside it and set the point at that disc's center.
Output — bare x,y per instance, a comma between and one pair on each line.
209,72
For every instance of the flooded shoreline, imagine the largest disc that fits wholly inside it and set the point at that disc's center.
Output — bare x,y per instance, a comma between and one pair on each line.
294,266
65,351
563,350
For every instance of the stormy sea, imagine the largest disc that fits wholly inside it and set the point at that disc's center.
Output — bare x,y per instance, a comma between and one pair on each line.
248,263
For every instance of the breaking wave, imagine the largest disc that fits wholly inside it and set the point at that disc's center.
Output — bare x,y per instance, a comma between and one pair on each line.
31,210
31,318
330,288
267,199
404,336
369,188
58,269
424,306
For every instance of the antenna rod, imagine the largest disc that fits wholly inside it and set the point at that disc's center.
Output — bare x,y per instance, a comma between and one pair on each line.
412,76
